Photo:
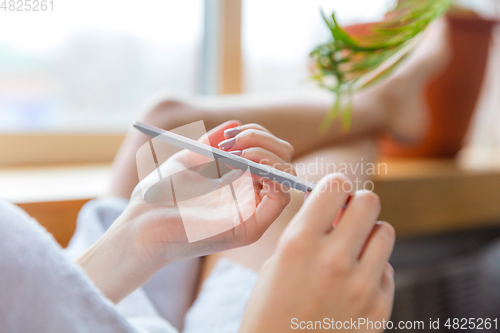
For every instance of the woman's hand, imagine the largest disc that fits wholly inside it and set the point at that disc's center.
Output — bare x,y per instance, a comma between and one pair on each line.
320,274
200,218
206,218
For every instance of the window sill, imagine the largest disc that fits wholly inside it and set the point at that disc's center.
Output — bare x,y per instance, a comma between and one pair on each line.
57,148
54,183
54,195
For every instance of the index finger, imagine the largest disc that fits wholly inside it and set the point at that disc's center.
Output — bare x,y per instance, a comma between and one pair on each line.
216,135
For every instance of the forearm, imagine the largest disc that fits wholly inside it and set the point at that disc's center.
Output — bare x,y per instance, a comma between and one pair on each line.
112,264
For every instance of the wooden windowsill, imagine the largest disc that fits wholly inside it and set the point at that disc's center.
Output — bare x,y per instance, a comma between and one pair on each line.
20,149
54,183
54,195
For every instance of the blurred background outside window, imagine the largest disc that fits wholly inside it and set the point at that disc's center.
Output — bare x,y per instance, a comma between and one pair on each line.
88,65
278,36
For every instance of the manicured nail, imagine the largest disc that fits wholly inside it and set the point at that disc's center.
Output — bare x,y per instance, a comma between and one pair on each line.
306,195
236,152
232,132
227,144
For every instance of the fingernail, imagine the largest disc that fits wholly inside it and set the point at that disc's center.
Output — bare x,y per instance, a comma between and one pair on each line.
232,132
306,195
236,152
227,144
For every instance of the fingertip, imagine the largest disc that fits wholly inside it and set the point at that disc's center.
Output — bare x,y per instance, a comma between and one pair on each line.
389,269
334,183
388,231
325,202
216,135
226,125
275,190
306,195
368,200
232,123
232,132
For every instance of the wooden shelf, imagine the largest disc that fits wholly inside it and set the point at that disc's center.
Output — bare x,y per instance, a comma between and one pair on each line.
437,196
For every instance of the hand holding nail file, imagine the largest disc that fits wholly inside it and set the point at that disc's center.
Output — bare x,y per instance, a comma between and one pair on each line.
237,162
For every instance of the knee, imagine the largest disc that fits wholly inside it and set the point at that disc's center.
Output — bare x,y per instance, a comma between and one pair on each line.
166,105
166,113
170,113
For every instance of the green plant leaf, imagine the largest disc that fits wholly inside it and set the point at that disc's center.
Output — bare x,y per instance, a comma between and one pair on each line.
348,60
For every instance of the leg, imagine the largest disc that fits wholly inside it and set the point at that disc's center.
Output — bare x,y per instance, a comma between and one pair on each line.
396,106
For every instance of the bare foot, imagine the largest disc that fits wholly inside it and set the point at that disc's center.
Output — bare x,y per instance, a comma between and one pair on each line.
407,112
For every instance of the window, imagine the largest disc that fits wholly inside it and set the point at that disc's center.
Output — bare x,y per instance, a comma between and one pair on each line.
89,65
278,36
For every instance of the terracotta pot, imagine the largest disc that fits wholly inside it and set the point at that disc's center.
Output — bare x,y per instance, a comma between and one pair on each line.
453,96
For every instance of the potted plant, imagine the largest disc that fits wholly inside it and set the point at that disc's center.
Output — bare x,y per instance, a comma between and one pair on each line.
363,54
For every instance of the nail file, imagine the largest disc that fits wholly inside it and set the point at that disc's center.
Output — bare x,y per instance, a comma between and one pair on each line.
237,162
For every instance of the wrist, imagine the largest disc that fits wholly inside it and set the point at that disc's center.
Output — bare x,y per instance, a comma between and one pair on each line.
113,264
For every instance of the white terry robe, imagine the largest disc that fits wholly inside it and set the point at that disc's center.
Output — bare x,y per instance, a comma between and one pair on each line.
41,290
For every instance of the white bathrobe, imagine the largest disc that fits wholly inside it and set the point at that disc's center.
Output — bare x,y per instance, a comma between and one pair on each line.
42,290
